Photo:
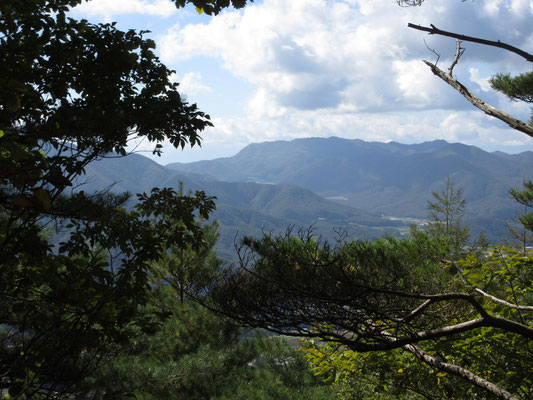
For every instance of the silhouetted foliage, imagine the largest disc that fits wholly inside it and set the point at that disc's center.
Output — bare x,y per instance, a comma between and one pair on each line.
72,92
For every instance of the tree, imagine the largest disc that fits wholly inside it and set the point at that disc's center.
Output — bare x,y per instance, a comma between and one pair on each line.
518,88
382,375
398,296
391,295
445,216
525,198
196,354
520,228
72,92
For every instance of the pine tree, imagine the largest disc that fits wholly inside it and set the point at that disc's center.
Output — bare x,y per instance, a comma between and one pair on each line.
523,234
518,88
445,216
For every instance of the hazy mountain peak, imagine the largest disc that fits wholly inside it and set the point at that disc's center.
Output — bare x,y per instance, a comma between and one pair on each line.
390,178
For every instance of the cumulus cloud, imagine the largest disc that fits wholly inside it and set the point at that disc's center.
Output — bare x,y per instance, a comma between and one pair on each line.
358,55
108,9
191,84
350,68
475,76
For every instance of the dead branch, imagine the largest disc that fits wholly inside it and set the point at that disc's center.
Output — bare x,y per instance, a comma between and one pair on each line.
447,331
452,369
433,51
458,53
460,372
434,362
417,311
436,31
476,101
505,303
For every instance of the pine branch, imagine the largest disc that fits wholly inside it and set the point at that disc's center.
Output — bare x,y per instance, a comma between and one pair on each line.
436,31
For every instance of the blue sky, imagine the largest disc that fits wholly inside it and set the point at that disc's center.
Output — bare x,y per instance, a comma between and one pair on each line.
285,69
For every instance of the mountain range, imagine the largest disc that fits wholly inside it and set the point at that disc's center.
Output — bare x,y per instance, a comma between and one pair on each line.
390,178
242,208
366,188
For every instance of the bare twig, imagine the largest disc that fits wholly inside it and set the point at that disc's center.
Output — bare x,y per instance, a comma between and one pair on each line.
433,51
417,311
505,303
436,31
458,53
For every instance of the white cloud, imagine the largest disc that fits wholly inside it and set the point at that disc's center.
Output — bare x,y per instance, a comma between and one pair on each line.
315,54
483,83
108,9
470,127
262,106
191,84
417,84
353,69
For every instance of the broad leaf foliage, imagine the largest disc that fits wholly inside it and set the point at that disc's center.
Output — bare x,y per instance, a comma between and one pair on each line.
74,265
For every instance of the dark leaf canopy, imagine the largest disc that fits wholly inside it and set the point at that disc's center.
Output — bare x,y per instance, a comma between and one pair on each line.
75,265
290,284
91,86
212,7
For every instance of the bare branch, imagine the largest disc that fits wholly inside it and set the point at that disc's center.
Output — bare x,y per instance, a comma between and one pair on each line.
447,331
486,319
433,297
458,53
460,372
452,369
476,101
505,303
417,311
436,31
422,336
433,51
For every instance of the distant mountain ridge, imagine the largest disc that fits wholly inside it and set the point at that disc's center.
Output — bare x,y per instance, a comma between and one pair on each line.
243,208
389,178
268,187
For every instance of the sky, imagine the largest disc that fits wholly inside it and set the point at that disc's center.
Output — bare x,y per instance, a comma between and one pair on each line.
287,69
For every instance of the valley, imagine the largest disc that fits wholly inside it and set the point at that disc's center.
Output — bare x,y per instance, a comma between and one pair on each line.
364,189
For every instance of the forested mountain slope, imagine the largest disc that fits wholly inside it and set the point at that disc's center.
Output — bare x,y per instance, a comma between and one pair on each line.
242,208
256,189
389,178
